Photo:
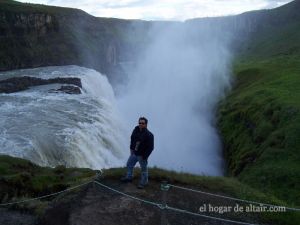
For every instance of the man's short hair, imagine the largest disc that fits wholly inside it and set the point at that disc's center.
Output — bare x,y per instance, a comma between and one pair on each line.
143,118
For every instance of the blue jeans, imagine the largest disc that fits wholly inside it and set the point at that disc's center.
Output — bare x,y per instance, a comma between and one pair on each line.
132,160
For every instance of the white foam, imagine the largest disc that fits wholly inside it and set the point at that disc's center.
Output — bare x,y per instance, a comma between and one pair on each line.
56,128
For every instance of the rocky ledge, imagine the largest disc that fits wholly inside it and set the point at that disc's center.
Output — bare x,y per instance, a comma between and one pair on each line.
68,89
16,84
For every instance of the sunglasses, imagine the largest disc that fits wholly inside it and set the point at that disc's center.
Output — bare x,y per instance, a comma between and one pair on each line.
142,123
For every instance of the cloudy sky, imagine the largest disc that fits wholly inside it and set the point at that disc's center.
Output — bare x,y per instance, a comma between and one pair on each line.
163,9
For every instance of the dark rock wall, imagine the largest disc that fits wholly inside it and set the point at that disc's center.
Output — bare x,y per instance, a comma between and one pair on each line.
33,39
36,35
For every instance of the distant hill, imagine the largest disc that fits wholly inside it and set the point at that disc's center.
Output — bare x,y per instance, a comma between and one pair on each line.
277,32
261,33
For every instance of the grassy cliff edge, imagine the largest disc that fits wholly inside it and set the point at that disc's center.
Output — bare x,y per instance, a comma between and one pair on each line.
22,179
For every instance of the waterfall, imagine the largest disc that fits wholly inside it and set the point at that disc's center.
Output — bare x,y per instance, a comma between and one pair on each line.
50,129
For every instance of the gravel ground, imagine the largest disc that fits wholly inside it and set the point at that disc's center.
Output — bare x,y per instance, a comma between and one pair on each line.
12,217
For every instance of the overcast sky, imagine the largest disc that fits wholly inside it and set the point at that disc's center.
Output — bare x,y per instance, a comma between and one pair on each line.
163,9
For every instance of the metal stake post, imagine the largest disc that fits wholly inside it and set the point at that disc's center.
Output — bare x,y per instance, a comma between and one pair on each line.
164,187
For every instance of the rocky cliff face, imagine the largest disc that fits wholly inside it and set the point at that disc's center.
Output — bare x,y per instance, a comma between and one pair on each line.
18,24
36,35
31,37
111,54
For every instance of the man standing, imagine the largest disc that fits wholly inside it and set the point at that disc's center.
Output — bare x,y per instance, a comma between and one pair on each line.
141,146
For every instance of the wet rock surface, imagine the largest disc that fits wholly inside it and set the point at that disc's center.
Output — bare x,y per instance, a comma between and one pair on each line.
67,89
17,84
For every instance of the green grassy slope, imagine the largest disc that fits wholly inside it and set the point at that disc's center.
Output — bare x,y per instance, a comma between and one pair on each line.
20,177
260,119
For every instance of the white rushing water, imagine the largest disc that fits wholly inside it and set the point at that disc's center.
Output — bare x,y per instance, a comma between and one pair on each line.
57,128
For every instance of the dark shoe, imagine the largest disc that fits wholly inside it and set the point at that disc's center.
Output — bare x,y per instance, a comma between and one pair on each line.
126,179
141,186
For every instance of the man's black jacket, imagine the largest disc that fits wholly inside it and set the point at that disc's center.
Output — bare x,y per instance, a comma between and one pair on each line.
146,140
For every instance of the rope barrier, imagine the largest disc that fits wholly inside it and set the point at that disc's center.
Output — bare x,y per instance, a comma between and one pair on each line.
45,196
231,198
170,208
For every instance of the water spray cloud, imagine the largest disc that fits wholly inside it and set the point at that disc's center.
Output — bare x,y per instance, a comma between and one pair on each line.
176,84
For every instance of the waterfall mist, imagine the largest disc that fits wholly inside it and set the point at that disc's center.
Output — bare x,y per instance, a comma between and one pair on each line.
176,84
